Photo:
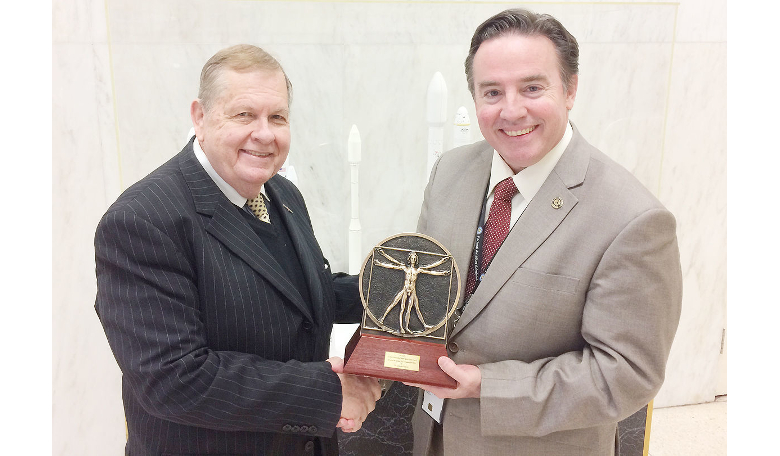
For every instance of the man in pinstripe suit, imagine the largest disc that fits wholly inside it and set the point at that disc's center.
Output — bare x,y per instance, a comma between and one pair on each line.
219,319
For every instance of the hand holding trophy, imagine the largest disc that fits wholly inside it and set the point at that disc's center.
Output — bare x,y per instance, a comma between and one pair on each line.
409,285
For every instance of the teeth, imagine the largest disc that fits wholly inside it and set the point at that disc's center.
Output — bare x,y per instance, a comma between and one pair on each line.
257,154
521,132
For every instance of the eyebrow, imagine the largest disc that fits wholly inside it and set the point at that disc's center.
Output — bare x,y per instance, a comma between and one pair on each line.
248,107
527,79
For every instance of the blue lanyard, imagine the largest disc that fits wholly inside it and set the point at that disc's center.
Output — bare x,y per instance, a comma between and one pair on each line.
477,257
480,237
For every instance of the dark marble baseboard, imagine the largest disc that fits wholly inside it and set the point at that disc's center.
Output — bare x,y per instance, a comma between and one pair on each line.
388,429
631,434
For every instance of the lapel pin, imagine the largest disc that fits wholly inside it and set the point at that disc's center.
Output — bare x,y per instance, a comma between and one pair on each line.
557,203
285,206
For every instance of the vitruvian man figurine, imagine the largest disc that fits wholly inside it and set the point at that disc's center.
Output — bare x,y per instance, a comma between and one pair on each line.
407,297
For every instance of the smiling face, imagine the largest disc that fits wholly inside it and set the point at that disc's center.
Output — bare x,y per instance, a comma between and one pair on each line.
522,105
246,132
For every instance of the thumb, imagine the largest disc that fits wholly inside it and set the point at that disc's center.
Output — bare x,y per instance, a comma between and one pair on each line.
448,366
336,364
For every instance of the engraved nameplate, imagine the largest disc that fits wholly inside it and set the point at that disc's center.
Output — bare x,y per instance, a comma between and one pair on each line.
402,361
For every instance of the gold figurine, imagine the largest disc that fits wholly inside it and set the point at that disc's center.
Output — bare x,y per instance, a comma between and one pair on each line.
407,297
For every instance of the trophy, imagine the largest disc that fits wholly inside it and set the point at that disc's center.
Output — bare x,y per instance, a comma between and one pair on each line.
409,286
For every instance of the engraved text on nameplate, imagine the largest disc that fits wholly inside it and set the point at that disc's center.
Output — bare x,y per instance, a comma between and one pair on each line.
402,361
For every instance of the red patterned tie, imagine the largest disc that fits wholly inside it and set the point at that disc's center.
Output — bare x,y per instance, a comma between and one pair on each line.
496,228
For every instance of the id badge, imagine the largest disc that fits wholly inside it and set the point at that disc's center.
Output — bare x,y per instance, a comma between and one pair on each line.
433,405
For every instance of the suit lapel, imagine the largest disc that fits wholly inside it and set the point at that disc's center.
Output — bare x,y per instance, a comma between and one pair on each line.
226,224
303,239
464,207
534,226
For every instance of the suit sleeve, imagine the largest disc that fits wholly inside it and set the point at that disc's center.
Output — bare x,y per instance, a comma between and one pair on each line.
147,301
630,315
349,307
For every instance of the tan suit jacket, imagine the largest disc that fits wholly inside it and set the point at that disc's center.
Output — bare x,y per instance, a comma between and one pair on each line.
572,324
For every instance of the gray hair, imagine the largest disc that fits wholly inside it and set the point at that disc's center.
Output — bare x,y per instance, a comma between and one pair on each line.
241,57
526,23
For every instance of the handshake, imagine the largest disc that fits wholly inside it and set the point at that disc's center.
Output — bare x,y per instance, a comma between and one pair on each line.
359,396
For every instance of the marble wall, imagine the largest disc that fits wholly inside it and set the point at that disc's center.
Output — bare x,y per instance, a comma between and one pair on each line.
652,95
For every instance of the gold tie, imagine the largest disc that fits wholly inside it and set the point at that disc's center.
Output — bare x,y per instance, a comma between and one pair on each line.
257,205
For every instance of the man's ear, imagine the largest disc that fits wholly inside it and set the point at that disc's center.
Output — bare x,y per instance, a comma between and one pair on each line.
197,114
571,92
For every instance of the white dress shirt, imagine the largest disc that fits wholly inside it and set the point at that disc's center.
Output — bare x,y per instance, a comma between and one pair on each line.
528,180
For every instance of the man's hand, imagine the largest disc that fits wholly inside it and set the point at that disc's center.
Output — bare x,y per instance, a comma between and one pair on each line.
359,396
469,380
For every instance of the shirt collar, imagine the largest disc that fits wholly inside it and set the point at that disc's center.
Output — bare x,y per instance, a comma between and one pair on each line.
529,180
229,191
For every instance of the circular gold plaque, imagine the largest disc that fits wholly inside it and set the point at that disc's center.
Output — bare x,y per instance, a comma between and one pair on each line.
409,285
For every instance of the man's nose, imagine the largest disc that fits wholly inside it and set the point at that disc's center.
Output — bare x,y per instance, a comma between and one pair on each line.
262,132
514,107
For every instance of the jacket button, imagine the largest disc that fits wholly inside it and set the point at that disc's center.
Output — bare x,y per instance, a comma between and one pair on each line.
296,429
312,429
453,347
286,428
309,446
307,326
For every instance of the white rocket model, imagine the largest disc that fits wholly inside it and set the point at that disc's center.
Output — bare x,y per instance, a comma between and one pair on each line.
437,117
461,134
353,155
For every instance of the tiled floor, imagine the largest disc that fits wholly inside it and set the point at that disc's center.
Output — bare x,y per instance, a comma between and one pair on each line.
689,430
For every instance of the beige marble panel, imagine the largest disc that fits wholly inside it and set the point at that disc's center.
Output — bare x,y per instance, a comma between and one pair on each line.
154,87
621,101
79,21
87,415
704,21
693,186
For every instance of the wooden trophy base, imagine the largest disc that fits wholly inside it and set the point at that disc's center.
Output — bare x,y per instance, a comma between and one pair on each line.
393,358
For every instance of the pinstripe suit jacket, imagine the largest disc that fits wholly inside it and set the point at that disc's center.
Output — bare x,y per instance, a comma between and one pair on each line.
572,324
219,352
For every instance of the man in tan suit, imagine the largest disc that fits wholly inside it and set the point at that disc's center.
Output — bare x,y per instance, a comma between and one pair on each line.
566,323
